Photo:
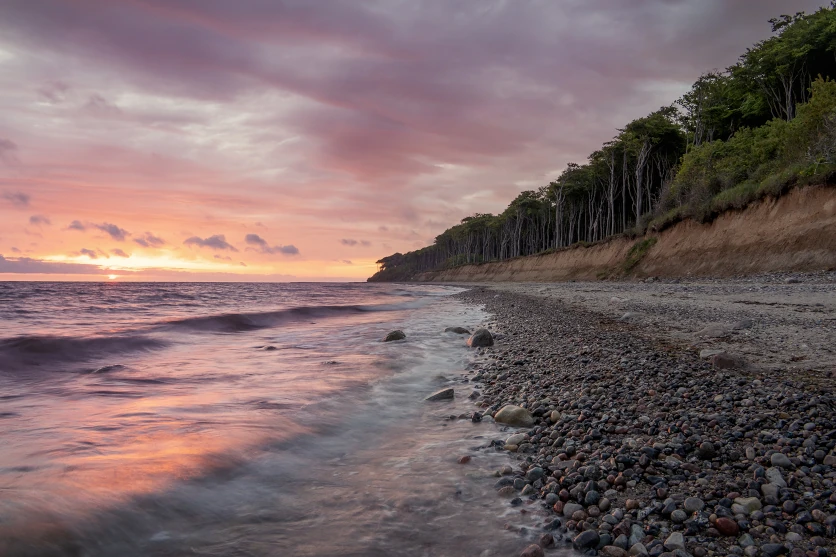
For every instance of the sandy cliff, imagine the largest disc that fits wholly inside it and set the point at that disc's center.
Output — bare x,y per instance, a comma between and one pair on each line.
794,232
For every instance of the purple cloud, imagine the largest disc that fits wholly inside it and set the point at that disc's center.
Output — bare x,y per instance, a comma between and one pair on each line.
119,253
113,231
149,240
38,220
218,241
17,198
262,246
26,265
89,253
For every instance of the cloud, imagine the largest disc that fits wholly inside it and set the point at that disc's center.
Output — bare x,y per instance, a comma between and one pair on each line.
149,240
119,253
16,198
7,150
262,246
353,242
15,250
218,241
223,257
53,92
347,262
113,231
26,265
89,253
39,220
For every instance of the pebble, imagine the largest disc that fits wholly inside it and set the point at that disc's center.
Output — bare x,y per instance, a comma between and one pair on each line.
621,428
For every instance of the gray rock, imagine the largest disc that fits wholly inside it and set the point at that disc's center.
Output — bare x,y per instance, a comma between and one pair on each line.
587,539
707,353
515,439
713,331
675,541
774,549
748,505
781,460
394,335
534,474
482,337
679,516
515,416
770,490
775,477
443,394
571,508
693,504
638,550
457,330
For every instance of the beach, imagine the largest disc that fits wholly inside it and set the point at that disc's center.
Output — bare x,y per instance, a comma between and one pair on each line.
641,446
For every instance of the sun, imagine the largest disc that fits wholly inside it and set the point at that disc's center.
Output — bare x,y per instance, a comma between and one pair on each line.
113,277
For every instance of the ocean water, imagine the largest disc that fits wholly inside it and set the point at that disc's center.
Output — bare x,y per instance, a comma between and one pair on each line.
242,419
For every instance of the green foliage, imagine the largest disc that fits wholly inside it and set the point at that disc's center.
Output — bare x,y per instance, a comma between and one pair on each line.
763,125
637,253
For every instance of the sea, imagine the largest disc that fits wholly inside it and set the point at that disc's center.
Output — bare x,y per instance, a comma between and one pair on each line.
145,419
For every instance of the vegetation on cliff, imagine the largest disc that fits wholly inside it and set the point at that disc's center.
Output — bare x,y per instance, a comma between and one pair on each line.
759,127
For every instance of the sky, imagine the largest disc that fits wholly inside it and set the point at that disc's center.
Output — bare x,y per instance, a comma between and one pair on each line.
277,140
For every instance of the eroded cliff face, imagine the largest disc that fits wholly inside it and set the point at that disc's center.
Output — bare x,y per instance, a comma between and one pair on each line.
796,232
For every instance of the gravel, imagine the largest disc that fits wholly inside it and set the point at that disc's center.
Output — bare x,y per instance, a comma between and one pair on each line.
639,445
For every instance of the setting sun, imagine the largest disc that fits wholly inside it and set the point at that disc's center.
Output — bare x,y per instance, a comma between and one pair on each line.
113,277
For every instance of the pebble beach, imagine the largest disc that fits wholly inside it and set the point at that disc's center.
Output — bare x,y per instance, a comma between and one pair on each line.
624,441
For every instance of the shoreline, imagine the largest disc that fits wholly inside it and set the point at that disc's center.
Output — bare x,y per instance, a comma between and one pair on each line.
641,447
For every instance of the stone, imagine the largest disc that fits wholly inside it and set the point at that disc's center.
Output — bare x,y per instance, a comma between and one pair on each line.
726,361
679,516
726,526
443,394
515,416
394,335
707,353
507,491
515,439
571,508
612,551
713,331
693,504
775,477
675,541
707,451
748,504
482,337
554,416
532,550
781,460
534,474
457,330
638,550
773,549
586,540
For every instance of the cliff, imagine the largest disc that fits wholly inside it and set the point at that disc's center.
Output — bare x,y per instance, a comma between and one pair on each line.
795,232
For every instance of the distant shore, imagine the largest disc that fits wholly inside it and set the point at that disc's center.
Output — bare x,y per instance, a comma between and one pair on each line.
642,446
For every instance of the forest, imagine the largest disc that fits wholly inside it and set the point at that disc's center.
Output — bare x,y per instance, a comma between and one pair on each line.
758,128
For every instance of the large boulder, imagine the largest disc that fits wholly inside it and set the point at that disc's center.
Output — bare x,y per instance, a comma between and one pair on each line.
443,394
515,416
394,335
457,330
482,337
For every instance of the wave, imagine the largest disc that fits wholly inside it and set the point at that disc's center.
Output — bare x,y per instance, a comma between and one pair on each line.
242,322
37,350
